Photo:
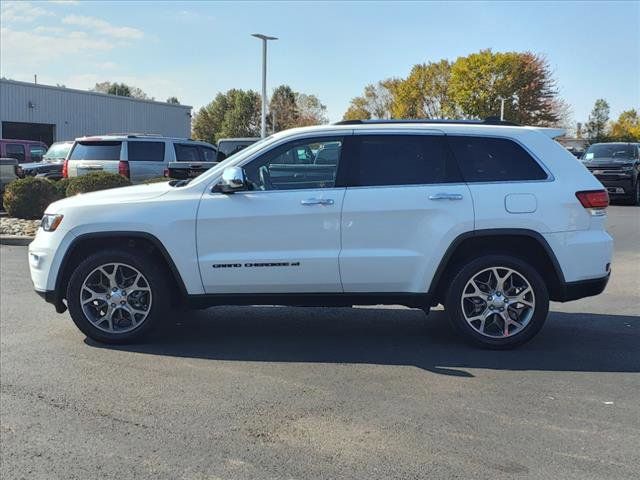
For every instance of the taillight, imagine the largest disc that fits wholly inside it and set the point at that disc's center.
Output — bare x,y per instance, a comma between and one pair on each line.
123,168
19,171
598,199
65,169
166,173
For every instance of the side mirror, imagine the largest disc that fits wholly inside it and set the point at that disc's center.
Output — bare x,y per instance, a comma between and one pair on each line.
232,181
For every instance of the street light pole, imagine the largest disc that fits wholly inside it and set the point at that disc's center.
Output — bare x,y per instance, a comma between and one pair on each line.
502,109
264,38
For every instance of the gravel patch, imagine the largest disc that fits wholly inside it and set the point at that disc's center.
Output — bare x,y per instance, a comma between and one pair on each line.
17,226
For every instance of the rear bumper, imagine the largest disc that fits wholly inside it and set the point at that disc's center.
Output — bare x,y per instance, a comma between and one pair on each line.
583,288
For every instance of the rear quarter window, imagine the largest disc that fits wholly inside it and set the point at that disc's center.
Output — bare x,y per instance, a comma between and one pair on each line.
96,151
145,151
485,159
187,153
208,154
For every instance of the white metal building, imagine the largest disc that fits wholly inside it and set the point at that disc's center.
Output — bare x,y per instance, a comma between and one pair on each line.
30,111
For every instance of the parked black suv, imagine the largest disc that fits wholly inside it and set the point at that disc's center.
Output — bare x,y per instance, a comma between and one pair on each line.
51,165
617,166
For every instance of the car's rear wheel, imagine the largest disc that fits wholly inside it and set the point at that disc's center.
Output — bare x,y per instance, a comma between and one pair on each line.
497,301
117,296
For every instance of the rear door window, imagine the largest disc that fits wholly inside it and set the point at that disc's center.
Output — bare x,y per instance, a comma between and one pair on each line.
146,151
96,151
15,150
187,153
485,159
380,160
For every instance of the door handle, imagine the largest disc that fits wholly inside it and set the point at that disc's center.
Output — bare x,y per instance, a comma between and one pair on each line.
445,196
317,201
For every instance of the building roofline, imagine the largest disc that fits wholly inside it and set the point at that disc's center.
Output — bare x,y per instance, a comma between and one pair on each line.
89,92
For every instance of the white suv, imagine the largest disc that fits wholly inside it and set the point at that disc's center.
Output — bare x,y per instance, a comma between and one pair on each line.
491,221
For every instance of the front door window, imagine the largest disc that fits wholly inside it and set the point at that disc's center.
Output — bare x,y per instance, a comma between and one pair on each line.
303,164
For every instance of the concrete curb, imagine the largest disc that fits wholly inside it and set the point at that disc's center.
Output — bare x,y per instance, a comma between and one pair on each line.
20,240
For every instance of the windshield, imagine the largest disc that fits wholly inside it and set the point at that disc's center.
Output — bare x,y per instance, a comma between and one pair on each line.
617,151
233,159
58,151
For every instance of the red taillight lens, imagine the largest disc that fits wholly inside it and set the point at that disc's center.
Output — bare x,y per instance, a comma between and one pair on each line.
65,169
594,198
123,168
166,173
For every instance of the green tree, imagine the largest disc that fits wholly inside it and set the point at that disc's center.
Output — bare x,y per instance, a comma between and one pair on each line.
478,82
627,127
120,89
235,113
424,93
283,110
376,101
311,111
598,121
173,100
358,110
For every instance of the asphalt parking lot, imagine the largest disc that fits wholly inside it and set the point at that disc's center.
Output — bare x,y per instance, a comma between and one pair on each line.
272,392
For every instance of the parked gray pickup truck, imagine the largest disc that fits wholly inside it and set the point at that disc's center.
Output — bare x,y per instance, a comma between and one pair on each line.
9,171
190,168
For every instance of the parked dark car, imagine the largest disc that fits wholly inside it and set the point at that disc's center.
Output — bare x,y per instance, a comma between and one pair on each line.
192,162
51,164
617,166
25,151
229,146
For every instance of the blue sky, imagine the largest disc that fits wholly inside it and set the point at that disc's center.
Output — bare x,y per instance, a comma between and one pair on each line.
194,50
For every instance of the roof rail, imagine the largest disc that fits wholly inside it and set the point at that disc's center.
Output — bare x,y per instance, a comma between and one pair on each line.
132,134
486,121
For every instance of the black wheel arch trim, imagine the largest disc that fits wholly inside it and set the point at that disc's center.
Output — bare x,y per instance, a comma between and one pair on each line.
523,232
58,294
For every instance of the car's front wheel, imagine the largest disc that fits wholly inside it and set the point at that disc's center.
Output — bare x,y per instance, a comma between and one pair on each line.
117,296
497,301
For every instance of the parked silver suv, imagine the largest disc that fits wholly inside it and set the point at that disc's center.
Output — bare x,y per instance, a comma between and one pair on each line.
138,157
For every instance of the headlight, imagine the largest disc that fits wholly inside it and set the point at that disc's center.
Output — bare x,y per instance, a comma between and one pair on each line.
50,222
627,168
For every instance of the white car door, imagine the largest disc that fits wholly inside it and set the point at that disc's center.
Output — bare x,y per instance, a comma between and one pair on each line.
282,235
404,205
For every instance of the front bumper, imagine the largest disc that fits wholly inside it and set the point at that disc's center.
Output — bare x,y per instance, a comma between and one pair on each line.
52,297
618,185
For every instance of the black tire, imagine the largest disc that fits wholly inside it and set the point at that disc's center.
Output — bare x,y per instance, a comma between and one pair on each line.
464,273
155,276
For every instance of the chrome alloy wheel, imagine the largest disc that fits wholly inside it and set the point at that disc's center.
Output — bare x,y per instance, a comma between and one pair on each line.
498,302
115,297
